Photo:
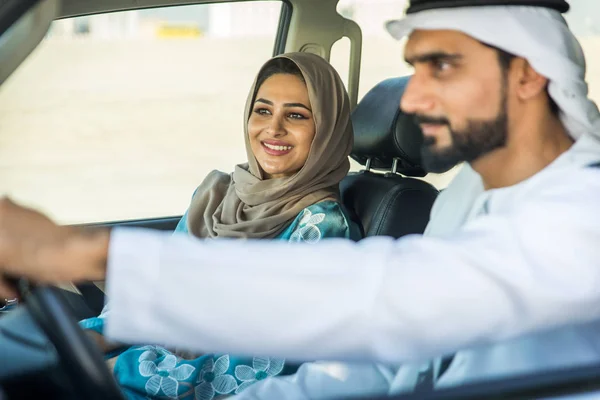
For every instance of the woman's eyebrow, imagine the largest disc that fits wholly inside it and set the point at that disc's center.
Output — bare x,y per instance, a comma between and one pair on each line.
269,102
297,105
261,100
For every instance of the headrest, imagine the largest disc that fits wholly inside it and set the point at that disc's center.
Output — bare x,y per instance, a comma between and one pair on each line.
384,134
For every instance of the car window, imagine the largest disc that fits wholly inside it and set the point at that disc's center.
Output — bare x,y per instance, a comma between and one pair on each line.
584,20
382,55
378,61
121,115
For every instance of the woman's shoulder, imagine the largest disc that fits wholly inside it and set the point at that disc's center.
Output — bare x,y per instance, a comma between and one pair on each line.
320,220
213,179
324,211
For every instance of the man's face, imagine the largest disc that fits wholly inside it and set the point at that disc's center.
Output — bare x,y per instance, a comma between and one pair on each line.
458,94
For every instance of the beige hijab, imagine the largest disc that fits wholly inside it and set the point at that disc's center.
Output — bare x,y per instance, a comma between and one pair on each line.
243,205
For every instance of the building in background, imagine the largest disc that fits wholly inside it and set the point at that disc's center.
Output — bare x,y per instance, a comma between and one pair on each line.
250,19
243,19
101,26
372,14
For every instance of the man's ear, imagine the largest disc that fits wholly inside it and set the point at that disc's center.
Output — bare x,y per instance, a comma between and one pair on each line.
529,83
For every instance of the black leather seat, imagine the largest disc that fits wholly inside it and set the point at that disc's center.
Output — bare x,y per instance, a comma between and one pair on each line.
391,202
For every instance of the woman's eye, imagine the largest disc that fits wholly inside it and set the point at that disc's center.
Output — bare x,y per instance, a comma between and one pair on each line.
262,111
297,116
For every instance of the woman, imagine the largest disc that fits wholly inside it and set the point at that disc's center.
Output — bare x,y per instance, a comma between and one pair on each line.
298,137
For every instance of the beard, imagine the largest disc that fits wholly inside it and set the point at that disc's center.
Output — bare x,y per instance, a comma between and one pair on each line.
479,138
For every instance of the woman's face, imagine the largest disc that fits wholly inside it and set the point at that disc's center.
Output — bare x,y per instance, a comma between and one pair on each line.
281,127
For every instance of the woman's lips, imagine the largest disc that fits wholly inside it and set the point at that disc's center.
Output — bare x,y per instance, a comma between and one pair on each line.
276,148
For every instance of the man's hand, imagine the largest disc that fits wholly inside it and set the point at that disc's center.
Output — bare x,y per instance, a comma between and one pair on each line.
34,247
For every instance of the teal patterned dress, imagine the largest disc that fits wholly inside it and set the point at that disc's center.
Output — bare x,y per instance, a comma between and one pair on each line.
153,372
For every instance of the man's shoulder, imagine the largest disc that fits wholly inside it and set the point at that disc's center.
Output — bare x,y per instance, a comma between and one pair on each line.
567,178
574,186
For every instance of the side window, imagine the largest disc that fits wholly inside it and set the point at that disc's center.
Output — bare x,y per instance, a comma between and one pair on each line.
121,115
381,54
584,20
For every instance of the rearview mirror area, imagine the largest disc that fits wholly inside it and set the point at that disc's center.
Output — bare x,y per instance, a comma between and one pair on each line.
23,24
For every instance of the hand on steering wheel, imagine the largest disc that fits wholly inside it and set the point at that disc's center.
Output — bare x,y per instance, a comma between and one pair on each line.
79,356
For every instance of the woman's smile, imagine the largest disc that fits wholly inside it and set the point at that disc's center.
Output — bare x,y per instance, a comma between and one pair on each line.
276,147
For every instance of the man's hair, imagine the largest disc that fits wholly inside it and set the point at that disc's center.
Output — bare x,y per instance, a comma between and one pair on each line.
505,58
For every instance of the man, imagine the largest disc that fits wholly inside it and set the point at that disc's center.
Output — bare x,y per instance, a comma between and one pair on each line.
514,277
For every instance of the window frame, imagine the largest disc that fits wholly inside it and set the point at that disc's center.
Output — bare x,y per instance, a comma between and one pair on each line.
166,222
283,27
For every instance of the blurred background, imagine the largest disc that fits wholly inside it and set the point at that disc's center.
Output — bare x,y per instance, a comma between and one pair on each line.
121,115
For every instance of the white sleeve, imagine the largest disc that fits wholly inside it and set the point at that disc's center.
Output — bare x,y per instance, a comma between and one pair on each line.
379,299
324,380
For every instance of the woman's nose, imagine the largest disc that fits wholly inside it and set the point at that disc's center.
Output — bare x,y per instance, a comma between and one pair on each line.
276,127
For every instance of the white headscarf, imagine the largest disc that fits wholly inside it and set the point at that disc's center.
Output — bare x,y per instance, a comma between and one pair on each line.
538,34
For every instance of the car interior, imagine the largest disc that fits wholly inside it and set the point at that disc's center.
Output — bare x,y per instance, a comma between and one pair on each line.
393,203
389,202
51,356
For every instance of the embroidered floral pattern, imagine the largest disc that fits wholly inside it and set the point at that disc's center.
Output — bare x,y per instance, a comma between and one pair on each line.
212,379
307,228
262,368
165,375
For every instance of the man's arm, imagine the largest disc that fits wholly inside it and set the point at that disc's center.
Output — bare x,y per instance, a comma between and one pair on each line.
324,380
379,299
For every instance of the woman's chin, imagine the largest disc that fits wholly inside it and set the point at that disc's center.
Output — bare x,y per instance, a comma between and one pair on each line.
273,173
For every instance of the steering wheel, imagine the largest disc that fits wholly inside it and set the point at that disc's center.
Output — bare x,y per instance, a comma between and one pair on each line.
80,357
